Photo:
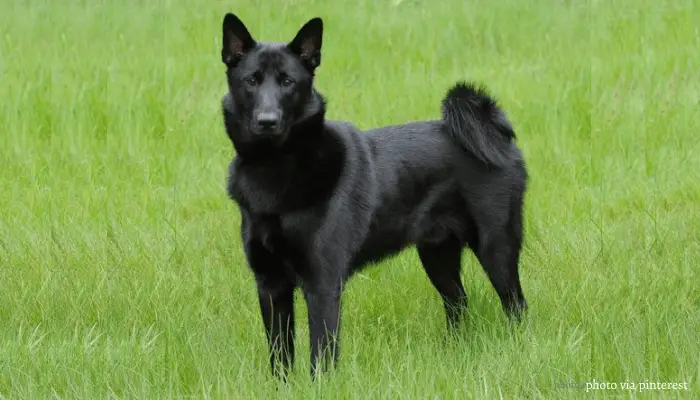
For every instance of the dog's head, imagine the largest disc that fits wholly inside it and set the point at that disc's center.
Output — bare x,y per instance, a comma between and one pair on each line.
270,84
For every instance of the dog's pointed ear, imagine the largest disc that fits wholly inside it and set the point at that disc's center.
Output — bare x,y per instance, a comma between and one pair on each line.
307,43
236,40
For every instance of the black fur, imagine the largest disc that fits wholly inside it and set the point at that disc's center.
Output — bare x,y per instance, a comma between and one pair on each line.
320,199
474,121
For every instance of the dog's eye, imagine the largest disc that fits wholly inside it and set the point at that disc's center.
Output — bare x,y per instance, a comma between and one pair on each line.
287,82
251,81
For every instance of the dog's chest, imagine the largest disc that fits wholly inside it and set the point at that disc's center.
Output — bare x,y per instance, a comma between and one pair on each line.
282,188
259,190
288,238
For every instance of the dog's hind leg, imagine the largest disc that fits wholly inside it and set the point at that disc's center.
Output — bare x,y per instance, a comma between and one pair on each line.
442,263
498,252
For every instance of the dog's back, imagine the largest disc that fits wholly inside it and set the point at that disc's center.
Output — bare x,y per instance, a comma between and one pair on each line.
436,183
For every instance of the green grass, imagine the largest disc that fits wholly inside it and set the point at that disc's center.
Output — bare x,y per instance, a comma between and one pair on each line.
121,270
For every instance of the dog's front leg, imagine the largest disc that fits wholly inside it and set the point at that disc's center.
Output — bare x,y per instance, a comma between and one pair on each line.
277,308
323,302
276,297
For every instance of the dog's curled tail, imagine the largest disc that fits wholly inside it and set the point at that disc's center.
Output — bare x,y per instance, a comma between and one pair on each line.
474,120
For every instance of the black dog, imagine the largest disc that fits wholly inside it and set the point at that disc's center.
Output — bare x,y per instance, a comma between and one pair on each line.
320,199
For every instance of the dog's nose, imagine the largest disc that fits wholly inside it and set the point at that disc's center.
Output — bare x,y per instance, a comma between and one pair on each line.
267,121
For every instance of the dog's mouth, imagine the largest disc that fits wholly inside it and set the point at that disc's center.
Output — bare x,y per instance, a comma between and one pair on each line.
269,136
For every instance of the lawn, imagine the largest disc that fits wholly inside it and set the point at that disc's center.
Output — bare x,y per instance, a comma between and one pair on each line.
121,269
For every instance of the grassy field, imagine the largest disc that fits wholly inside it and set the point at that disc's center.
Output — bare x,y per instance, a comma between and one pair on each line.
121,271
